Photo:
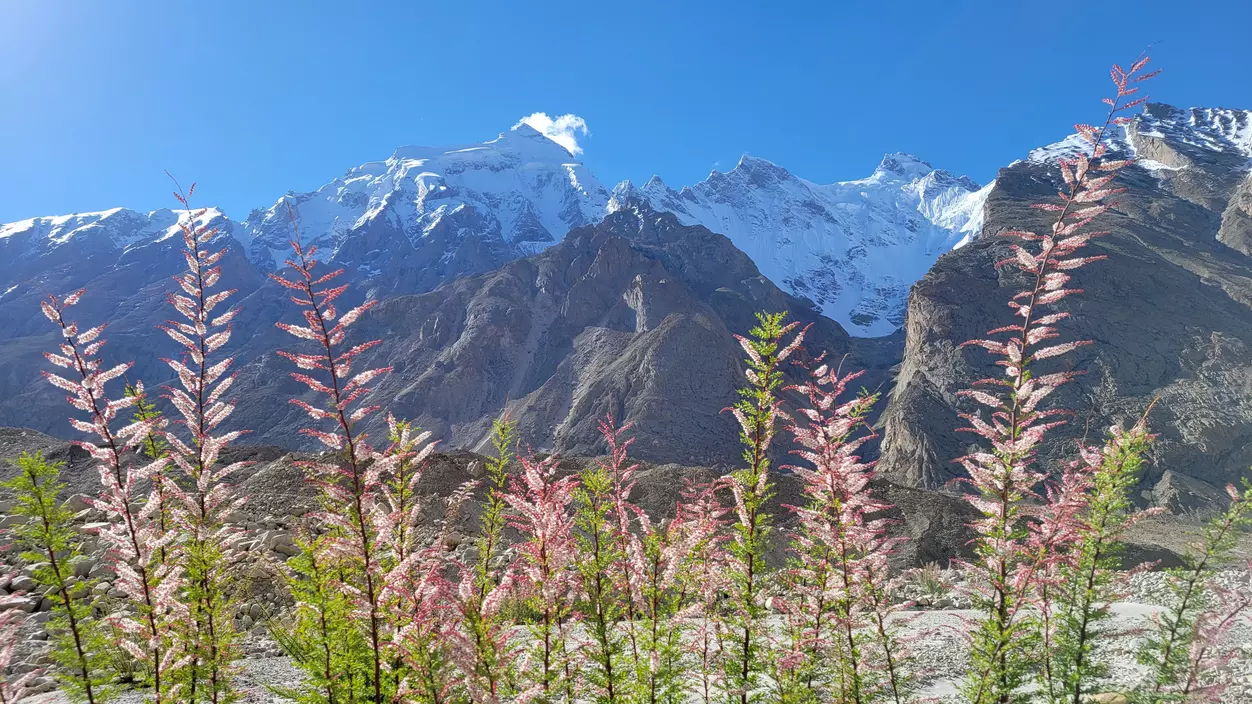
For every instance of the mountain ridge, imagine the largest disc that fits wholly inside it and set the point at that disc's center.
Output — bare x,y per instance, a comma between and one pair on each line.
626,343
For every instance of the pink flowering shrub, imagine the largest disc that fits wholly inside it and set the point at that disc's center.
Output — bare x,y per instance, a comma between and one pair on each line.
546,578
133,540
1014,548
839,643
207,550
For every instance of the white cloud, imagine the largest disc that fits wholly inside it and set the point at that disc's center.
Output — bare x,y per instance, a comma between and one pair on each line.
563,130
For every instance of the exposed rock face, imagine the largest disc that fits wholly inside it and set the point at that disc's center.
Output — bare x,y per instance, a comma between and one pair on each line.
125,260
1169,312
426,216
633,317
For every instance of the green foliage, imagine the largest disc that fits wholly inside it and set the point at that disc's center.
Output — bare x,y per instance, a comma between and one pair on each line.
1086,588
1168,652
661,673
153,445
491,671
209,637
603,602
80,647
504,441
929,579
757,413
1003,651
320,636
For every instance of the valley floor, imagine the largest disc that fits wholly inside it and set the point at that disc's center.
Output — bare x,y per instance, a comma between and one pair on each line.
938,645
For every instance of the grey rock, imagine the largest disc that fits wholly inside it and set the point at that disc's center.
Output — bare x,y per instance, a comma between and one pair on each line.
24,604
83,566
634,317
1179,493
76,503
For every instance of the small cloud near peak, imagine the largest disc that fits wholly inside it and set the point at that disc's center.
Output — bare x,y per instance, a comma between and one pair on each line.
563,130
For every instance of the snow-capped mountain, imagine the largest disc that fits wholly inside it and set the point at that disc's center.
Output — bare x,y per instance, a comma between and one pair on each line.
427,215
853,248
116,231
117,252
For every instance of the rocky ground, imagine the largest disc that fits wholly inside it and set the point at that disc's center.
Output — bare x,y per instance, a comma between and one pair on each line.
937,642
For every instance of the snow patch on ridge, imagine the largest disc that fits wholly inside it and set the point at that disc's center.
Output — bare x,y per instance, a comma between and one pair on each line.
116,228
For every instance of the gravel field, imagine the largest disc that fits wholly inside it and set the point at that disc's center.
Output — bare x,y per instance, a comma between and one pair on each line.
939,646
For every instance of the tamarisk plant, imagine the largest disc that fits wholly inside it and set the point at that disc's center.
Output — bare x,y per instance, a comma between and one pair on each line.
154,447
667,557
483,646
207,553
154,444
540,512
1004,477
51,543
133,539
415,590
320,636
1209,656
655,580
604,550
840,646
757,412
1087,516
1184,653
351,485
707,573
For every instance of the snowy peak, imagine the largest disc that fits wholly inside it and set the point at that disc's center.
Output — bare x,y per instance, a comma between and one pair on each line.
423,216
852,248
521,192
904,166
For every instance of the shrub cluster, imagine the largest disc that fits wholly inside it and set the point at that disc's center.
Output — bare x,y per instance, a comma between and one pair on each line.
570,591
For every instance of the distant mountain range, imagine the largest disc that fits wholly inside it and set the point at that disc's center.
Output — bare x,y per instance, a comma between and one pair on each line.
428,215
510,276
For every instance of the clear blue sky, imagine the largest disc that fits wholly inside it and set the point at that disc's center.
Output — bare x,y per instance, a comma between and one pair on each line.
254,97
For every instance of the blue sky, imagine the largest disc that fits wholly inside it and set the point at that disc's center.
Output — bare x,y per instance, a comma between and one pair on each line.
252,98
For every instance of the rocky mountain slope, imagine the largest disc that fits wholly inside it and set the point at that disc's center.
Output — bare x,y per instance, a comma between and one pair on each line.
427,216
634,316
1170,312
